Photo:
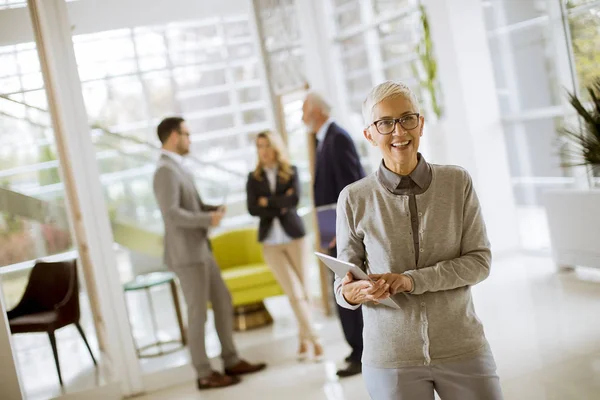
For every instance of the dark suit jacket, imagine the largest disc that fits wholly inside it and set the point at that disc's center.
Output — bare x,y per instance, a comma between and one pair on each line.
338,165
290,220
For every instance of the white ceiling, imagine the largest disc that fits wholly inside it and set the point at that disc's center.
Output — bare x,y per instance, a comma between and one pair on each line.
89,16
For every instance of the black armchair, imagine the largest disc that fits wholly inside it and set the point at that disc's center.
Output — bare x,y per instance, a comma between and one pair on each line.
50,302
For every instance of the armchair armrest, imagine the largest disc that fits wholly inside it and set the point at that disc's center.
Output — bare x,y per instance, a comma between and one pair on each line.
18,311
69,294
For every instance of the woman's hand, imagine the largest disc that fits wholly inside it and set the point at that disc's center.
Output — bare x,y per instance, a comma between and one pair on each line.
362,291
398,283
263,201
332,244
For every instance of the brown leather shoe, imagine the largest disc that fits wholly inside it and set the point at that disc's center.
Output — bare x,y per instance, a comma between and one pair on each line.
217,380
244,367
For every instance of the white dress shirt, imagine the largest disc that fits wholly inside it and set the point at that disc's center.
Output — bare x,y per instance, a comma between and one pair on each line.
276,235
322,132
180,160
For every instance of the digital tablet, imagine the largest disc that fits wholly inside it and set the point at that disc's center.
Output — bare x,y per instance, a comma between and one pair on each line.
341,268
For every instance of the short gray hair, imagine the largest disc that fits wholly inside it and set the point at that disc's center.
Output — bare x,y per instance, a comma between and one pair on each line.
384,91
319,102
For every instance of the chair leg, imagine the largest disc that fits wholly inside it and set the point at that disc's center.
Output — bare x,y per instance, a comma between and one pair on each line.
86,342
55,352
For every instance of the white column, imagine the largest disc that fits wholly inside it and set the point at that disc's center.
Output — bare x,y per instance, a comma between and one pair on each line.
274,117
10,384
472,130
372,44
85,198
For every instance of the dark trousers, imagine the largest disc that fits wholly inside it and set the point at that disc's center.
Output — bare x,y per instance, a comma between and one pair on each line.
352,325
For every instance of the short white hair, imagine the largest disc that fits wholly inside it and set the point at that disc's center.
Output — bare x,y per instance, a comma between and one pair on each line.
317,101
384,91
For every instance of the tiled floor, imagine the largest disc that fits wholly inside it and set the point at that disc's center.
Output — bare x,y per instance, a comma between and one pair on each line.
544,329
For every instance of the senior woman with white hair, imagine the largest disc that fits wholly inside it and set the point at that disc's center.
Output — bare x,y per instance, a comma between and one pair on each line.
417,229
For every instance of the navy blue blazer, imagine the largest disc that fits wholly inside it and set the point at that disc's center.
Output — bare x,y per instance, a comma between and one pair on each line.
338,165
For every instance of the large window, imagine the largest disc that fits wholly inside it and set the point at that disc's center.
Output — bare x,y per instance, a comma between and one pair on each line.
281,37
280,33
538,49
206,70
377,40
584,26
28,160
34,224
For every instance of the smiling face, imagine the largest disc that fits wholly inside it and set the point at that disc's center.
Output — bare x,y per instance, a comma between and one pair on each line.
398,148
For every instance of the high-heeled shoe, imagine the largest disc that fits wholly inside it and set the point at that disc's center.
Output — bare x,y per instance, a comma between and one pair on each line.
303,352
318,352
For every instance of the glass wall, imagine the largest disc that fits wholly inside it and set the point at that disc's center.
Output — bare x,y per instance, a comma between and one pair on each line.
583,18
531,71
281,37
377,40
206,70
34,224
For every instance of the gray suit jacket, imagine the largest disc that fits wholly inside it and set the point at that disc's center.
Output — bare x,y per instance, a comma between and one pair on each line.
186,218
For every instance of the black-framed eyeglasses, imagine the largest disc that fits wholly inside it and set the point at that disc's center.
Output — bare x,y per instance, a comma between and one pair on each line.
386,126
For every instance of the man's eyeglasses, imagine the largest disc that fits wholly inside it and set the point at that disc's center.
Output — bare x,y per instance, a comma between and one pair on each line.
387,125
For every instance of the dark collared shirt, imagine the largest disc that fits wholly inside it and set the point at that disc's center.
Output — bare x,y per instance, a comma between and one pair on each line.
417,182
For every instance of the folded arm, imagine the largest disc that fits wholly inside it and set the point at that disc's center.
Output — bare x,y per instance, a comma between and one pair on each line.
252,202
287,200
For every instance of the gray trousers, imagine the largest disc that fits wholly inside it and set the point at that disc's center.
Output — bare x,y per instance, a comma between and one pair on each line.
201,283
471,379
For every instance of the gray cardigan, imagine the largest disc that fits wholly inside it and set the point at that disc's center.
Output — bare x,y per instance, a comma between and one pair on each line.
437,321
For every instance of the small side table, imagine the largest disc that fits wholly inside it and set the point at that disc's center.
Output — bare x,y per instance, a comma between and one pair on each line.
146,282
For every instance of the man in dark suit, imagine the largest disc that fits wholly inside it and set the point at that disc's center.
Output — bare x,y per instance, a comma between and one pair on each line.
337,165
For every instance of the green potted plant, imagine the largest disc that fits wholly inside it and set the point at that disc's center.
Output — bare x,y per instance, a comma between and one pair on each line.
426,73
573,219
425,68
583,142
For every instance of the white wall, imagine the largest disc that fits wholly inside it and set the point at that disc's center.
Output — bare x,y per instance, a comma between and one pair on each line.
88,16
471,134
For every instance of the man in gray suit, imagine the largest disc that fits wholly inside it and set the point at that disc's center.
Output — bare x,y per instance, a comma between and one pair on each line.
187,252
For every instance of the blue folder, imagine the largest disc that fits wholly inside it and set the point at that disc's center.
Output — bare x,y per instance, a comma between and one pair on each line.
326,222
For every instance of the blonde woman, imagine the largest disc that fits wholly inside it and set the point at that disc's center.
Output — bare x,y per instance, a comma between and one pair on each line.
273,191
